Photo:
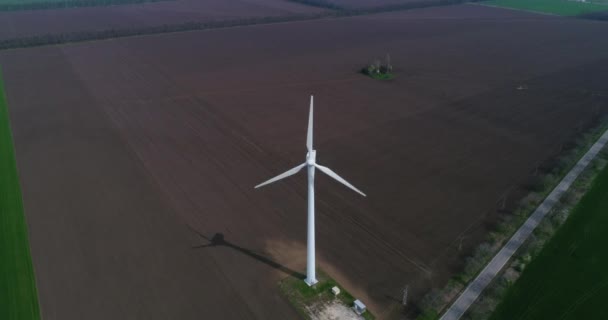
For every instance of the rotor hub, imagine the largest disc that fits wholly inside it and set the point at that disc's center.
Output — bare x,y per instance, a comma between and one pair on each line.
311,157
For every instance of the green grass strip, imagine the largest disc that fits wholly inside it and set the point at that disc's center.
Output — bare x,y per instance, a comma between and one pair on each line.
568,280
18,294
558,7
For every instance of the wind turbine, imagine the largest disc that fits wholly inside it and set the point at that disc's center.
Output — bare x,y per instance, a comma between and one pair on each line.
311,165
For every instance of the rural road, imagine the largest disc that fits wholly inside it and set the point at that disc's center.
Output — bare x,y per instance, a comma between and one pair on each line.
472,292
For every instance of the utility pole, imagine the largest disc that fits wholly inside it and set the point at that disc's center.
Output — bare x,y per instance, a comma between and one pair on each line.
405,292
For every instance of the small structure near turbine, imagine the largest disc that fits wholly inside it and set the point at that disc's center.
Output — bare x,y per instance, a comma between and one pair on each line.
335,290
311,165
359,307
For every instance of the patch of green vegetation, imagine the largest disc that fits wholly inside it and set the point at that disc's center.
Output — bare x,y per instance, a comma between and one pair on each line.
301,296
382,76
567,279
558,7
379,70
428,315
18,294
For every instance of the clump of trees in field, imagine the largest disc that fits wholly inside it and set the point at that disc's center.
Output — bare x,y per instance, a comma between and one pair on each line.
45,5
379,70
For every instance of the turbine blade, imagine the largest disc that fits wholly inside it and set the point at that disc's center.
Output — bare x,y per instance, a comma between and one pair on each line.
309,134
285,174
334,175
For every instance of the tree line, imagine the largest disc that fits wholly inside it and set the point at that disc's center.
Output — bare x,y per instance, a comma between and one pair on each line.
58,38
599,15
45,5
319,3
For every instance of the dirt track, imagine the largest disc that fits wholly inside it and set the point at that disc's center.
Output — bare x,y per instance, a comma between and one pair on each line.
127,144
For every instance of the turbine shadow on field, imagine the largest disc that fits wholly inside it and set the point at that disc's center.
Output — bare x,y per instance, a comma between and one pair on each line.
218,240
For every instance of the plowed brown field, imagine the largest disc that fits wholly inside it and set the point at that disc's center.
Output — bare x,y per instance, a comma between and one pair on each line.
130,150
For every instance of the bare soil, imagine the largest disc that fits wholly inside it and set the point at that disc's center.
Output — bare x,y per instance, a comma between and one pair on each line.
333,310
138,156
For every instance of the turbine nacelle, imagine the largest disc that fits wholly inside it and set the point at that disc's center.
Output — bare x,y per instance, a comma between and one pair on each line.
311,157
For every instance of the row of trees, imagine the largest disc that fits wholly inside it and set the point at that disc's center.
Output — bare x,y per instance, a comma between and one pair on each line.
341,11
319,3
44,5
49,39
402,6
600,15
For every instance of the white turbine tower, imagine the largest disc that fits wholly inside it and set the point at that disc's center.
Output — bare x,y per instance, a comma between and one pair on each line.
311,165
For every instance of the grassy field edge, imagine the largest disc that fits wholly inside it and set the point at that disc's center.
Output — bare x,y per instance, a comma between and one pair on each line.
18,293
